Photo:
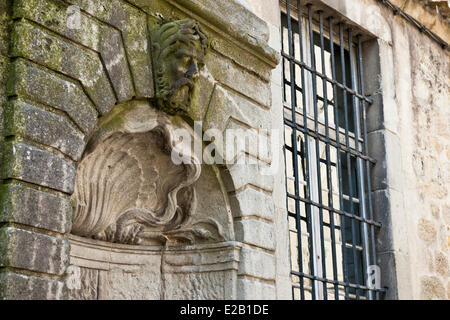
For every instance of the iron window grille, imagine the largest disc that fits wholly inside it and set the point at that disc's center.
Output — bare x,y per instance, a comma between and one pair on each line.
331,226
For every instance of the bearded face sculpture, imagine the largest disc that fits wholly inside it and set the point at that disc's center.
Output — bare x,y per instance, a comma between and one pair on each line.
178,51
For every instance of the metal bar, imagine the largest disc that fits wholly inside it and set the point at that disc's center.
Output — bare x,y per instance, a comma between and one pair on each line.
359,164
366,151
336,145
340,212
318,238
328,164
340,283
306,157
349,163
338,155
294,145
323,76
307,167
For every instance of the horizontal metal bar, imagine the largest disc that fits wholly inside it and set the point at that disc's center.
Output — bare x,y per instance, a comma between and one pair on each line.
343,213
340,148
340,283
338,84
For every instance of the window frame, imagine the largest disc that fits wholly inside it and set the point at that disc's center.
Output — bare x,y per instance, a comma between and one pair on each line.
321,131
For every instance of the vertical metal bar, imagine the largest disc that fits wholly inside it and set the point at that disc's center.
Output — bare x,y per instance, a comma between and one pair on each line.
359,163
318,223
349,164
294,143
366,152
307,146
327,151
338,156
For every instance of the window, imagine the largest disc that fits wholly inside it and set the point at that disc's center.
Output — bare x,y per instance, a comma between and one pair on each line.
332,232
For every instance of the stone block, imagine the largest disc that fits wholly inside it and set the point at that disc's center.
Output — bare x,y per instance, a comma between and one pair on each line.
35,208
21,287
257,263
251,202
382,214
133,25
255,232
250,289
240,175
27,80
30,164
25,120
97,36
33,251
53,52
227,73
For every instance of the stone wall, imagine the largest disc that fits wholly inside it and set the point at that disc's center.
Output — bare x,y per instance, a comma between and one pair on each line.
62,79
425,139
55,82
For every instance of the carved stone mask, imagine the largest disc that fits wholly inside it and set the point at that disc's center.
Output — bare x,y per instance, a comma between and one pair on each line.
178,50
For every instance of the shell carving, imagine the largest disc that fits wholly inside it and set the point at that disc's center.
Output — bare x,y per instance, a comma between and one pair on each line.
128,189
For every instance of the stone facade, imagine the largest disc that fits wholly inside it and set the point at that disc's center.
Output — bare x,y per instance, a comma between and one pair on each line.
73,90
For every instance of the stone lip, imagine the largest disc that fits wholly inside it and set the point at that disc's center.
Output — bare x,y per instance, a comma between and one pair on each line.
233,18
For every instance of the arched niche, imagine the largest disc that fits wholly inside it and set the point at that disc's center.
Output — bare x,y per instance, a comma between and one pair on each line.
145,227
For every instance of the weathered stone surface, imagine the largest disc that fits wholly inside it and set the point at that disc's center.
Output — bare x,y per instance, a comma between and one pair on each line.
203,96
251,202
21,287
29,250
426,231
432,288
196,286
4,24
382,214
264,238
441,263
25,120
3,81
253,289
206,271
48,88
240,175
72,60
133,25
35,208
227,73
119,284
433,14
100,37
37,166
82,283
257,263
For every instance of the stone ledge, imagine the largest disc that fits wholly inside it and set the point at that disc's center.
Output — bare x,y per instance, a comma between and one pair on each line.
231,18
